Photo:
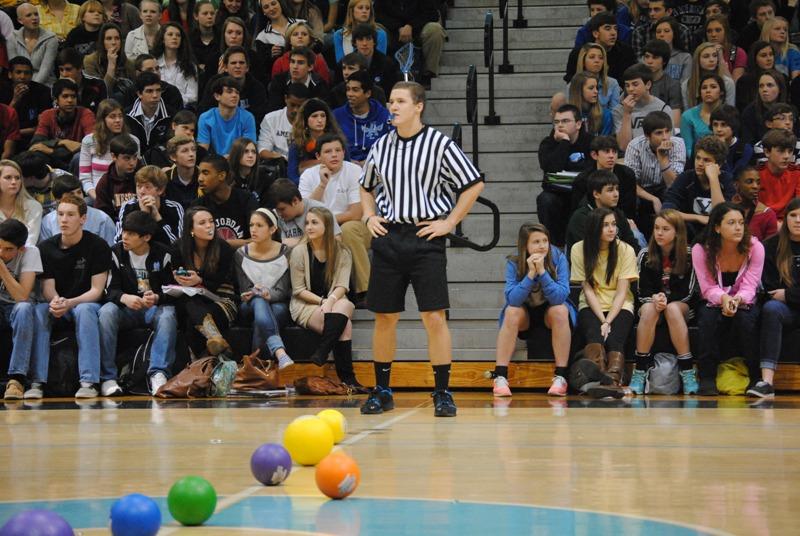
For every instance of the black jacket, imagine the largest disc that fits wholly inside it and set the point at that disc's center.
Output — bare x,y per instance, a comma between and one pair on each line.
123,276
170,226
169,94
393,14
279,83
620,57
627,189
555,156
159,133
771,277
682,288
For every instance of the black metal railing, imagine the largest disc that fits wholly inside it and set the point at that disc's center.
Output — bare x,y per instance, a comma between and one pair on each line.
488,61
506,67
472,110
520,21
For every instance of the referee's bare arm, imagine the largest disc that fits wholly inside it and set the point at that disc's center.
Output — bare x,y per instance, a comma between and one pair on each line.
370,217
436,228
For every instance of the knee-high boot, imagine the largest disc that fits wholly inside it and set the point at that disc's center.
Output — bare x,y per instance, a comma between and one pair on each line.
335,324
616,366
595,353
343,358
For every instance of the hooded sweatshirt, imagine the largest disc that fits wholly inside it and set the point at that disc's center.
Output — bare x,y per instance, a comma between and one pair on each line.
362,132
113,191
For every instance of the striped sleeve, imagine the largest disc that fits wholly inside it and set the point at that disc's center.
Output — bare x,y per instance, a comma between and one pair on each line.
457,168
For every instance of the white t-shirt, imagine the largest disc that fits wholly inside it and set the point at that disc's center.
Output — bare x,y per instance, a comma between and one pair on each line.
139,265
28,261
275,133
343,188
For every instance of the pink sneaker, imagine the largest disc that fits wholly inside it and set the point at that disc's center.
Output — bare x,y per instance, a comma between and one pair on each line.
501,387
558,387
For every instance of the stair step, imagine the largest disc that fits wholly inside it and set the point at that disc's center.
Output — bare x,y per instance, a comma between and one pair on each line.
461,16
363,316
519,84
539,60
472,38
478,227
503,137
515,110
510,197
459,354
473,338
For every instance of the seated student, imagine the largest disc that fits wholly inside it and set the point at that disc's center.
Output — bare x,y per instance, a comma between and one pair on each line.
9,132
761,219
151,183
91,90
602,191
95,156
83,37
337,97
696,191
176,61
299,34
312,121
604,151
229,205
643,33
144,38
656,58
382,69
536,292
584,93
15,201
605,267
262,269
201,259
97,222
147,63
760,11
760,59
235,64
320,271
38,177
728,263
32,41
620,11
680,60
656,157
117,186
184,175
109,60
696,121
771,91
787,56
75,267
292,210
61,129
779,179
184,123
618,55
28,98
638,103
363,119
276,127
667,288
220,126
18,270
778,116
780,279
565,149
301,71
725,124
335,183
134,299
205,39
148,118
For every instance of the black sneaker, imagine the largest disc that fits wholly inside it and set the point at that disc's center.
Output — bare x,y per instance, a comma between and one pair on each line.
379,400
443,404
762,390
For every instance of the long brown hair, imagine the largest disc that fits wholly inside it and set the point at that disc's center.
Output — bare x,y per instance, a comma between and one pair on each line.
678,255
784,258
102,136
188,246
521,258
593,112
591,246
331,245
712,241
301,134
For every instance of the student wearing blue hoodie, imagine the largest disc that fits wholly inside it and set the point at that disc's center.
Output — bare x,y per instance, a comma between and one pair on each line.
536,291
363,119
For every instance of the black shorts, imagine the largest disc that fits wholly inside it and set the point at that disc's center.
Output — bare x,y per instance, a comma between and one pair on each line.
401,257
536,318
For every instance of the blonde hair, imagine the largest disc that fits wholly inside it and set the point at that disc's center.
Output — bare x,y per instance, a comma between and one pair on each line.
603,74
769,24
294,26
86,6
22,196
153,175
332,246
693,83
349,20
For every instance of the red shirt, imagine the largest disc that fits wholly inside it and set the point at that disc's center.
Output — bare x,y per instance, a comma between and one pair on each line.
9,125
777,191
49,128
281,65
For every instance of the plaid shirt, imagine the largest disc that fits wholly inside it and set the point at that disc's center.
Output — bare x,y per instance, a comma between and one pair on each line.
644,162
643,34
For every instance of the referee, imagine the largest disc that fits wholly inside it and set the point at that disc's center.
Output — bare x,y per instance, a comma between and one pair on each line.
405,184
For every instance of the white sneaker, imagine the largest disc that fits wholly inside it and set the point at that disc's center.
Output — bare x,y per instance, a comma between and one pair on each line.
284,361
110,388
156,381
87,390
34,392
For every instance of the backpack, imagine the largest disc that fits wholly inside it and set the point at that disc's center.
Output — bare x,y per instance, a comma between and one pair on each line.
62,372
664,376
133,374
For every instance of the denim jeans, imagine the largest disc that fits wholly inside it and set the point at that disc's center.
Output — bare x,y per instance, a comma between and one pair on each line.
19,316
161,318
775,316
87,334
716,328
267,319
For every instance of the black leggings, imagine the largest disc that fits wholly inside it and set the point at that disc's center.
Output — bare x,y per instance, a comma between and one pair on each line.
589,325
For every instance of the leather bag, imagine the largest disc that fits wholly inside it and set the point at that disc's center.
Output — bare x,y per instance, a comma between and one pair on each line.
256,374
192,382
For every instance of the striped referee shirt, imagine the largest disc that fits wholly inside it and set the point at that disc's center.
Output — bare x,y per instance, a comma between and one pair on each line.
413,177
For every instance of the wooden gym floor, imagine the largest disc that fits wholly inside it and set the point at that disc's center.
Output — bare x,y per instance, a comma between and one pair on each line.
536,465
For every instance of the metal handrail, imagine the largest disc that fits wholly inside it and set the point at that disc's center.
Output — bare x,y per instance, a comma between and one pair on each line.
506,67
520,21
472,110
488,61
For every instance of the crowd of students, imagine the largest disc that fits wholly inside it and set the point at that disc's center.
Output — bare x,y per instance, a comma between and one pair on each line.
190,165
674,140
